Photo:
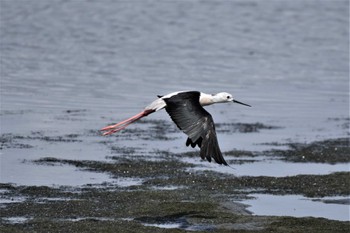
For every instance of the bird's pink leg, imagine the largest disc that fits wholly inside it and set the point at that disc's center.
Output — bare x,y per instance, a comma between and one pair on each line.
122,125
137,116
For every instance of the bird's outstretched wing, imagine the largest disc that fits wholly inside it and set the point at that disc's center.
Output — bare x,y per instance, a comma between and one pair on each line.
187,113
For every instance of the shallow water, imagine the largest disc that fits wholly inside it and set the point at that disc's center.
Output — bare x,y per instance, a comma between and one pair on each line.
297,206
17,220
71,67
269,167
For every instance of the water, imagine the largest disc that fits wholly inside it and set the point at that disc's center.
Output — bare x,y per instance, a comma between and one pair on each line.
272,167
30,174
166,225
17,220
297,206
181,226
71,67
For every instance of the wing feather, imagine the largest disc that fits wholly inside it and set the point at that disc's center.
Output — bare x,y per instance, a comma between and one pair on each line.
189,116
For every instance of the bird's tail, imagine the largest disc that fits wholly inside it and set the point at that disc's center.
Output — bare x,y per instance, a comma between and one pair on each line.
123,124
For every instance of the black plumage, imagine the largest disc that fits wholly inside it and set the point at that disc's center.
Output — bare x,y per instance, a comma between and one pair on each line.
186,111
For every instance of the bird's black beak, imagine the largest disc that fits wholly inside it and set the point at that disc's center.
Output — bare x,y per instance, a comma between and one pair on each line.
235,101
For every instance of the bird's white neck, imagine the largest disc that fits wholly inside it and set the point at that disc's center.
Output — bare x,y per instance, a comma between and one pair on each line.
206,99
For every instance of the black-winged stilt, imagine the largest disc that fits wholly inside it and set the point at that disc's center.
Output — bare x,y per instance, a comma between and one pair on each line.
185,109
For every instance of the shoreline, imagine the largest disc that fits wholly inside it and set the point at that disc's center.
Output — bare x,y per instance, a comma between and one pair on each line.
169,196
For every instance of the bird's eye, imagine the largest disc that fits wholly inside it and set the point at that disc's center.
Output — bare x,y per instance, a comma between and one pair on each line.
228,97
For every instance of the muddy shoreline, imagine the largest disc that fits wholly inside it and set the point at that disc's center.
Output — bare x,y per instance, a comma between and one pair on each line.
169,195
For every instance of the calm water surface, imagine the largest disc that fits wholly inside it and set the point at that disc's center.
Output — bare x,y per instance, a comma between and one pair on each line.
289,59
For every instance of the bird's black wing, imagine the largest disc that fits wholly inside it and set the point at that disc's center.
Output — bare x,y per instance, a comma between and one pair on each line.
187,113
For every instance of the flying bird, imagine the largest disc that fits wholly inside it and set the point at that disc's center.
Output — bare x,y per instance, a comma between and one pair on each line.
186,110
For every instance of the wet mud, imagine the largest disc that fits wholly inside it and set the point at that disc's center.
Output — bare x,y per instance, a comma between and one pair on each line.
329,151
170,196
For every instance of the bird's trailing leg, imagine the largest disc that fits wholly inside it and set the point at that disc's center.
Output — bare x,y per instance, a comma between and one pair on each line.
123,124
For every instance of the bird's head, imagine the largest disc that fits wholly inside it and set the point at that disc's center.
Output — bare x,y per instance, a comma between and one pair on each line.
224,97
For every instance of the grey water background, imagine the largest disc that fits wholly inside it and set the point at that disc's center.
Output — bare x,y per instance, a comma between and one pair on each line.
106,60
